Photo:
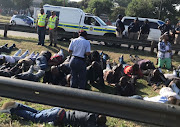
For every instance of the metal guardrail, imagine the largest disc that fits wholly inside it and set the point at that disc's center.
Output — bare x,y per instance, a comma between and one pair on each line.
109,41
111,105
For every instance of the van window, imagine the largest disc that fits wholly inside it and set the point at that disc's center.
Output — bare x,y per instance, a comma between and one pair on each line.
91,21
153,25
127,22
49,13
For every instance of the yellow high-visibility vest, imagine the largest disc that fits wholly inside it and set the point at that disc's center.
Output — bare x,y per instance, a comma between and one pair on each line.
42,20
52,22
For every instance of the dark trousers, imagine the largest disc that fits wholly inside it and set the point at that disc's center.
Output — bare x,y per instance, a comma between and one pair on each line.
6,49
78,73
41,35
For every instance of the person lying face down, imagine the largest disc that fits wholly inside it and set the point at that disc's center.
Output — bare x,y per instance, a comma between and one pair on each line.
55,76
156,77
56,116
8,71
29,75
144,64
124,88
6,49
95,73
42,60
13,59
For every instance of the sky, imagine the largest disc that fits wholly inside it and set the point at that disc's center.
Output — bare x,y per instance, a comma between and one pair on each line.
75,0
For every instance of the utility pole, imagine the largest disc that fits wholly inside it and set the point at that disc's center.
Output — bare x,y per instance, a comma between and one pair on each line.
64,3
160,8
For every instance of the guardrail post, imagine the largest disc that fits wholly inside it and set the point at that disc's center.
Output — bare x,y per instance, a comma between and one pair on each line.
6,26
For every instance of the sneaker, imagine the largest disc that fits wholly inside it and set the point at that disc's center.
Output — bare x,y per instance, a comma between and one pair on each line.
8,106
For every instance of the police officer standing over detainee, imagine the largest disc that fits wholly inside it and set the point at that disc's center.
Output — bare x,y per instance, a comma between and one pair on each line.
79,47
53,24
41,26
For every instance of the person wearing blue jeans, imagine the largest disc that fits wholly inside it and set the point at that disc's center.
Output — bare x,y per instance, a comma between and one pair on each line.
56,116
78,72
79,47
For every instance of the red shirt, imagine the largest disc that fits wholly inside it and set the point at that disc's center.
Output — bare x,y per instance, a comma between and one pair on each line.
129,71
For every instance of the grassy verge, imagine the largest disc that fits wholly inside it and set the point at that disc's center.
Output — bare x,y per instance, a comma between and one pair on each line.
5,19
114,53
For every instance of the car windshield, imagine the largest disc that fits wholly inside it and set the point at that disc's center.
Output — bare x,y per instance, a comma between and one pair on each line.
101,21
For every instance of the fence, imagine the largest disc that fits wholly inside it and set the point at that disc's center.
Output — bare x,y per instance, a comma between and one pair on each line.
111,105
109,41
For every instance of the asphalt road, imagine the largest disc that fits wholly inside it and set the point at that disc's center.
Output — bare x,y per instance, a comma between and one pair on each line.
34,35
21,34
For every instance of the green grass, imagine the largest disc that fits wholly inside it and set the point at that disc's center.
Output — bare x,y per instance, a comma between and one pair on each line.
5,19
114,53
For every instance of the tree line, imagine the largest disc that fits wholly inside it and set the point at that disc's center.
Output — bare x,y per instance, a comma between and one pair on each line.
161,9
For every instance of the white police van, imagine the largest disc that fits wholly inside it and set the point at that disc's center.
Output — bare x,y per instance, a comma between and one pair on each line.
154,34
74,19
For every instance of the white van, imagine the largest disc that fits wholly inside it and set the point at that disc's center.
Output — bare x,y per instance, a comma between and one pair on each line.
74,19
154,34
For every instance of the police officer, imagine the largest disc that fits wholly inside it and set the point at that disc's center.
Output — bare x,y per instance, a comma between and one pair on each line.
41,26
119,26
53,24
79,47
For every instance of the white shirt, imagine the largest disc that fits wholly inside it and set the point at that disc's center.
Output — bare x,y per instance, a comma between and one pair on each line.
9,59
167,54
79,47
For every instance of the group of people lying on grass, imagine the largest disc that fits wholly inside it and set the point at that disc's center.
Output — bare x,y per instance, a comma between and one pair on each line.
55,70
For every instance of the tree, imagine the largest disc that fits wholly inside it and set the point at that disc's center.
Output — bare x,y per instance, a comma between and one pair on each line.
98,7
6,3
140,8
55,2
116,11
22,4
122,3
153,8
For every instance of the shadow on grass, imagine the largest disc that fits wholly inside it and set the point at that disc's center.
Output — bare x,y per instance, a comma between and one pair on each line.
19,40
140,86
104,89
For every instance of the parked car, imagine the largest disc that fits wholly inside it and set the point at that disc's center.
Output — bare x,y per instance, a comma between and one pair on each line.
154,34
22,20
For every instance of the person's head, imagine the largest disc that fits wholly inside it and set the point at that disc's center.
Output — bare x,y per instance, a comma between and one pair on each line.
150,65
120,17
46,54
2,60
53,13
136,20
146,21
83,33
101,120
42,11
167,21
178,23
172,100
135,67
156,72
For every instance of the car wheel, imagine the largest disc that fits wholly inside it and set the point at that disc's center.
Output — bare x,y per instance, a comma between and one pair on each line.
13,22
